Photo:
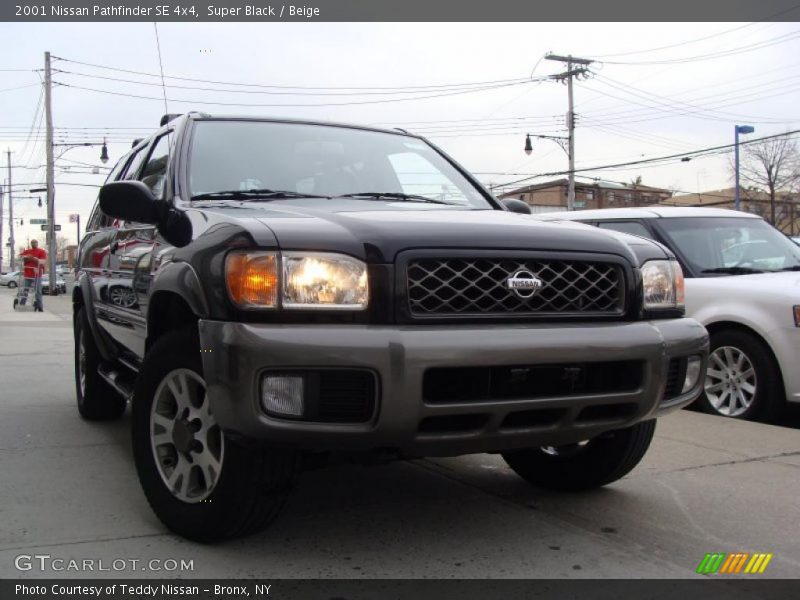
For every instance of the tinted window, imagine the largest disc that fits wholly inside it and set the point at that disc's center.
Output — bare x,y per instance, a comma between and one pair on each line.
321,160
712,245
155,171
98,220
134,163
632,227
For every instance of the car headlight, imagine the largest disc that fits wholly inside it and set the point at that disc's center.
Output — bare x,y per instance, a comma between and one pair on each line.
304,280
663,285
325,281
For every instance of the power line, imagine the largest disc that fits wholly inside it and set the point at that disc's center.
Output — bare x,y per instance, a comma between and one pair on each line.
692,154
322,104
668,104
787,37
296,87
283,93
705,37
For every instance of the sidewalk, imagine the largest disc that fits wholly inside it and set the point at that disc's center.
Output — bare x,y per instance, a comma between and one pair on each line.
56,309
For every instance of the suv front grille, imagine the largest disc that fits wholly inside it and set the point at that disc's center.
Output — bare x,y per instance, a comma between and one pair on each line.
480,286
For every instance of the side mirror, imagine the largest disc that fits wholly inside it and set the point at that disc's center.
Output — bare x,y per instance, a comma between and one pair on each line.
130,201
517,206
133,201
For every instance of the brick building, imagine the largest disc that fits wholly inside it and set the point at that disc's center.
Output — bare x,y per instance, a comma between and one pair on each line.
552,195
787,205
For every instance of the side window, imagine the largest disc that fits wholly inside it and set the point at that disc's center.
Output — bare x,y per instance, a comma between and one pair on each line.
154,173
632,227
97,220
135,162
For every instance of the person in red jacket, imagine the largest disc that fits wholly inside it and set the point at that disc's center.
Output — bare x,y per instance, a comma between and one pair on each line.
34,260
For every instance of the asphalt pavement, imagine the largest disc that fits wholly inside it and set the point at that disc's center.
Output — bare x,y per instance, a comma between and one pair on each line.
69,491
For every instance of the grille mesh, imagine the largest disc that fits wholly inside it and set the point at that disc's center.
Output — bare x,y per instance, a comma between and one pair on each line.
479,286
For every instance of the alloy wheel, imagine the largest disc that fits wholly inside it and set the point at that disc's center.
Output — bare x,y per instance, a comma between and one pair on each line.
187,443
730,381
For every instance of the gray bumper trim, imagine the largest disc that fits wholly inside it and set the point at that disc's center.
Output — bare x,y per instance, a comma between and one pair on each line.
235,354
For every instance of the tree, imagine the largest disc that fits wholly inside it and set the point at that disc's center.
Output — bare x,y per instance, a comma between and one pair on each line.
771,166
61,244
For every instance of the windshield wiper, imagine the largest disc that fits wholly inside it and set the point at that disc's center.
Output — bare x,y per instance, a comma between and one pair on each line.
395,196
733,270
792,268
253,194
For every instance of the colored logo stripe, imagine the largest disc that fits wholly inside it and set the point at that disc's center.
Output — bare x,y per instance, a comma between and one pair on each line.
758,563
721,562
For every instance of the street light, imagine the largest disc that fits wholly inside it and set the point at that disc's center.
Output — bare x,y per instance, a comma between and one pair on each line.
104,152
564,143
744,129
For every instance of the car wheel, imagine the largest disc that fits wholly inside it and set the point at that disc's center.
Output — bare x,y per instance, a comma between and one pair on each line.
743,380
201,483
584,465
97,401
12,284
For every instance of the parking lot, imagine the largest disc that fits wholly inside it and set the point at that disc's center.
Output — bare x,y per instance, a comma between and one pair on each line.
70,491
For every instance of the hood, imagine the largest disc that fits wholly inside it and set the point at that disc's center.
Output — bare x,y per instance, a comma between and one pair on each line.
378,235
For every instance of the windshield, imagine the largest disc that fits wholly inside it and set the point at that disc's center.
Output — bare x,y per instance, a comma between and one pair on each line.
321,161
730,245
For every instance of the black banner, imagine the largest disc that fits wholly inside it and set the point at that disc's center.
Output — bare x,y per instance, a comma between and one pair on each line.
340,589
399,10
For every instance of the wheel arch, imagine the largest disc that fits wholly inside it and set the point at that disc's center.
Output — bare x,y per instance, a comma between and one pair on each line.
176,301
82,298
168,311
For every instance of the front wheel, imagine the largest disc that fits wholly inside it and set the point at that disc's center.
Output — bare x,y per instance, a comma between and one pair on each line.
584,465
12,284
202,484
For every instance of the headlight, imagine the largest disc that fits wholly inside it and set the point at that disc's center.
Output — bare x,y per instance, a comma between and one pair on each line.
663,285
325,281
314,280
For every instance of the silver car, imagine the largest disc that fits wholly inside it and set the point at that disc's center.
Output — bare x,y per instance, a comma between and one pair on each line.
10,279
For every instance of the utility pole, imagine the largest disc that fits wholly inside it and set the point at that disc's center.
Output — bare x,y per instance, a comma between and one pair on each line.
13,252
51,191
568,75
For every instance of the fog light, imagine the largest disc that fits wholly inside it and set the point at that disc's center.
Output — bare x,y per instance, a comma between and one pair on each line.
692,373
282,395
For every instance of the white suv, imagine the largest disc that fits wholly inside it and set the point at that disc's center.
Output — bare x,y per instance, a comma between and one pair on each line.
743,284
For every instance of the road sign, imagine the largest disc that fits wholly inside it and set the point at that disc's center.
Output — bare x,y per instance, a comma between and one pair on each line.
74,218
58,227
38,222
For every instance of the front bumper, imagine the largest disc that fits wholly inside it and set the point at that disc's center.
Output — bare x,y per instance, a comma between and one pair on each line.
235,354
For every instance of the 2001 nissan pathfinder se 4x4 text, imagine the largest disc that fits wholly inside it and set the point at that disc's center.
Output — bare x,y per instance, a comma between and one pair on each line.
271,292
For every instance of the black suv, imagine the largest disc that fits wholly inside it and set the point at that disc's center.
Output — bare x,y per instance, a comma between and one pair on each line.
270,293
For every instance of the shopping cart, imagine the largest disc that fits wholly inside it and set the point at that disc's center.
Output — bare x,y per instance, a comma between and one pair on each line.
28,288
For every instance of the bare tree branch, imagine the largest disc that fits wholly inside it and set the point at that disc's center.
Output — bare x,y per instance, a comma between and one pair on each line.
771,166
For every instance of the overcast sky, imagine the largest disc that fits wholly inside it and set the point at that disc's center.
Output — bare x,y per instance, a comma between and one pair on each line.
659,105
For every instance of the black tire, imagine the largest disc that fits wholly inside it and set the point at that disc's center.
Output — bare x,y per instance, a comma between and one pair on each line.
768,401
12,284
575,468
97,401
253,483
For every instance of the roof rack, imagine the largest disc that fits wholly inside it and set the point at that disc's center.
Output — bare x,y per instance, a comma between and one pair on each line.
167,118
